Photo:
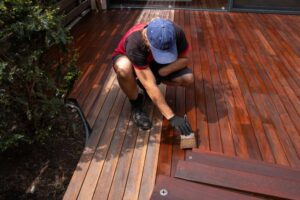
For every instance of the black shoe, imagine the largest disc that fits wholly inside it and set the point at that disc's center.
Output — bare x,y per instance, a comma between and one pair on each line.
141,118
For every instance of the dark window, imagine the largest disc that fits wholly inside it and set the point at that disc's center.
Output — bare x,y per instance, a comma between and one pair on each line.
293,5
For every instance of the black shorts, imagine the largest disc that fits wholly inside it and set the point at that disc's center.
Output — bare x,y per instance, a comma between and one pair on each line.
155,67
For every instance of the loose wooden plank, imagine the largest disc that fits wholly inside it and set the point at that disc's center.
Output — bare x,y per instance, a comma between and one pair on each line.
180,189
246,165
243,181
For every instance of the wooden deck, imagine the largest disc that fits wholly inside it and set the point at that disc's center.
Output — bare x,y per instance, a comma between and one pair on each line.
245,101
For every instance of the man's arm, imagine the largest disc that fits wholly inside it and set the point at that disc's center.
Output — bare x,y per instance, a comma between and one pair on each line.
148,80
180,63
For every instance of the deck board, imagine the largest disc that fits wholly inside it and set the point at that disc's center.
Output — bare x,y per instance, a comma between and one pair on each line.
245,101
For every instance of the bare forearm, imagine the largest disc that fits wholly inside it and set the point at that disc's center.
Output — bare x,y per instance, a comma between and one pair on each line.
180,63
159,100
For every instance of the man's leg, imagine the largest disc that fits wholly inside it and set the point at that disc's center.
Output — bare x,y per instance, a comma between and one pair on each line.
125,76
127,82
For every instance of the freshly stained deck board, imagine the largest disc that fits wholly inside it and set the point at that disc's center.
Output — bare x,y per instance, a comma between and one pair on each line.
179,107
244,101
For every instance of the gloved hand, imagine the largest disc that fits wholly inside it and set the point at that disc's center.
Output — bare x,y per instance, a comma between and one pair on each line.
181,124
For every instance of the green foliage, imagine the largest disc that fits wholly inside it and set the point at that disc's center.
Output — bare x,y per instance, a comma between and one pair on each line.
36,71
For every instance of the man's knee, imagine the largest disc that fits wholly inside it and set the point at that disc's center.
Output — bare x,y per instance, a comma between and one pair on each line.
123,67
187,79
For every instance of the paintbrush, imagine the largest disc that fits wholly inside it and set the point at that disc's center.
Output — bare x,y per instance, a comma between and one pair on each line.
187,141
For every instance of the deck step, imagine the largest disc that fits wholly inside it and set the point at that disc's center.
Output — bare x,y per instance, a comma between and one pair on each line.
175,189
238,180
244,165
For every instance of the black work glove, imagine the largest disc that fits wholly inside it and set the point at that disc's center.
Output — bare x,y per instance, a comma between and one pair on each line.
181,124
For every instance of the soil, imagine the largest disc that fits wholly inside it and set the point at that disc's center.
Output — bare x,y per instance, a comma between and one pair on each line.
44,171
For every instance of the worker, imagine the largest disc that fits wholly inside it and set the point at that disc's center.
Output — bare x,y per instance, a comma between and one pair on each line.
147,55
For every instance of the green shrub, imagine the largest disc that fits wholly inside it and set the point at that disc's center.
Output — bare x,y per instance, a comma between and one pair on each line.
36,71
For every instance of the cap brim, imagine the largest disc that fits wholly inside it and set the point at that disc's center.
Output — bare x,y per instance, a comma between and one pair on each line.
164,56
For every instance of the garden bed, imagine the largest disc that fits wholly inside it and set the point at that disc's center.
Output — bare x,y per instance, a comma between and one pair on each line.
42,171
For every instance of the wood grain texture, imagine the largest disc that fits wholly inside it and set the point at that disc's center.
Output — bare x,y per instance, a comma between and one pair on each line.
180,189
244,101
246,165
243,181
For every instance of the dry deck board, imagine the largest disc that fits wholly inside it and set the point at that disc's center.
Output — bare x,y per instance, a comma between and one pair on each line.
108,170
149,174
98,160
89,151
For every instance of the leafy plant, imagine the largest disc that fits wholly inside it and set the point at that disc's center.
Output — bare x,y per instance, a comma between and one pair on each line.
36,71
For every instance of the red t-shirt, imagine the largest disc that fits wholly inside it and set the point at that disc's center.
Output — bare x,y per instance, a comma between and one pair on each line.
133,46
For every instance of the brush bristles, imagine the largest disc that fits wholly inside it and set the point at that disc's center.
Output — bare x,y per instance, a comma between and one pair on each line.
188,142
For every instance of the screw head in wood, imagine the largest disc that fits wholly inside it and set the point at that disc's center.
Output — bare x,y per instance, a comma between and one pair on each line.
163,192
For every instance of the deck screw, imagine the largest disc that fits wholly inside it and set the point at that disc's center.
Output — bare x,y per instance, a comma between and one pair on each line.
190,157
163,192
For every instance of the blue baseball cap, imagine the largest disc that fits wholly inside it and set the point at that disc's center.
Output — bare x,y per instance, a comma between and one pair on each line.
162,39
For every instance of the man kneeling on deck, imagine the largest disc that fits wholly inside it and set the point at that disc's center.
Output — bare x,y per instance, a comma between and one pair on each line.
147,55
